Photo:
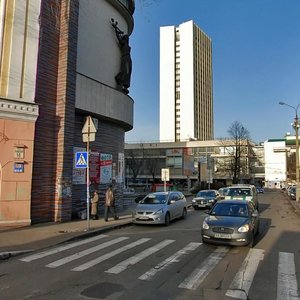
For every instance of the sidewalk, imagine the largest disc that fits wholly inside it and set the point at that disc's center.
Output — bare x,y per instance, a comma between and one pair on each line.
16,241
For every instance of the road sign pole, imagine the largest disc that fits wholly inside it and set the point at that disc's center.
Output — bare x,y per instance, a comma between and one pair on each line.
88,182
88,135
88,188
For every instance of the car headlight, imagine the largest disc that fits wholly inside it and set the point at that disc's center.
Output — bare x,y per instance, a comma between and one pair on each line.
211,200
205,225
193,200
244,228
160,211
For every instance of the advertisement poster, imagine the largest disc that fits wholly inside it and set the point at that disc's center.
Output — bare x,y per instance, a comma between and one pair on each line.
94,166
121,168
105,168
79,175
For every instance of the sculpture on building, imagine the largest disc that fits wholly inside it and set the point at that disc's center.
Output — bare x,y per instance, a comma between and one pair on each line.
123,77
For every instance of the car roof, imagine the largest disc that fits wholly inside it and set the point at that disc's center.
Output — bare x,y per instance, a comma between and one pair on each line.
233,201
241,186
164,193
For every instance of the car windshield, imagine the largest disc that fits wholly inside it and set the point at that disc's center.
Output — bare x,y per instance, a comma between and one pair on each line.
154,199
238,192
229,209
206,194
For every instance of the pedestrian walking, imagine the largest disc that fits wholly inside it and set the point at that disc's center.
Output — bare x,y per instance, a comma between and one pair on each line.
94,202
110,204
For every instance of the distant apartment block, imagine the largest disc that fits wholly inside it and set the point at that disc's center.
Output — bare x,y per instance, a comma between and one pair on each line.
186,97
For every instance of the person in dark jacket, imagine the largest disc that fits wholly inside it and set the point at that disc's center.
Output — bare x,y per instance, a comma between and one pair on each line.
110,204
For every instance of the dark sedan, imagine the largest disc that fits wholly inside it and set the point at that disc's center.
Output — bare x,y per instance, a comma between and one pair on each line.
231,222
205,199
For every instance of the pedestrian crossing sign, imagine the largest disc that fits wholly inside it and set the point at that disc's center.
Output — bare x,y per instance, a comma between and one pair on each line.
81,160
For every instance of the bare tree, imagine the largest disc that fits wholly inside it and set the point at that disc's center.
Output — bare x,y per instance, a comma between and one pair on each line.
134,163
240,136
235,151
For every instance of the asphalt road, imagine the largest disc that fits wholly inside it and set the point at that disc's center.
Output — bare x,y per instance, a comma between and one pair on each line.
158,262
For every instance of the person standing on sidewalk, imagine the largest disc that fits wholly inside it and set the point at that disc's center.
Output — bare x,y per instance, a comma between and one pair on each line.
94,202
110,204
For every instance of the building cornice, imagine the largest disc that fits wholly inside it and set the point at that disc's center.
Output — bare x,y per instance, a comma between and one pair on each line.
18,110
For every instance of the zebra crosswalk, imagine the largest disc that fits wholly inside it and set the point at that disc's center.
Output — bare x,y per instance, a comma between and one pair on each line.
104,248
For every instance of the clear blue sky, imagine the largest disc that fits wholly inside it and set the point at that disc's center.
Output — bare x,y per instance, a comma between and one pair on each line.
256,63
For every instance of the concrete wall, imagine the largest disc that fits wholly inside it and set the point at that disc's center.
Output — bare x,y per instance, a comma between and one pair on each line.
187,99
275,163
167,84
98,62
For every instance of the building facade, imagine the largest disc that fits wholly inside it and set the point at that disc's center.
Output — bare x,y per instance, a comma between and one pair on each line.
186,91
275,163
206,162
69,65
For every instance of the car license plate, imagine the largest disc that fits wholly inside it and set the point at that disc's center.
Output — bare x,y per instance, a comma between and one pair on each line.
222,236
144,218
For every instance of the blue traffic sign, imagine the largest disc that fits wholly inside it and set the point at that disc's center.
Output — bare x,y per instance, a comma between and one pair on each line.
81,160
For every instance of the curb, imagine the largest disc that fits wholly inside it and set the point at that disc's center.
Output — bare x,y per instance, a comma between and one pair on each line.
9,254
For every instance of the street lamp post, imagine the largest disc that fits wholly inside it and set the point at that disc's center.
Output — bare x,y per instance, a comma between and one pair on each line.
296,128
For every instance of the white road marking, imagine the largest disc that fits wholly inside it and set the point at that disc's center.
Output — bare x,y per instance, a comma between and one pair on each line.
135,259
61,248
109,255
193,281
80,254
287,288
240,286
172,259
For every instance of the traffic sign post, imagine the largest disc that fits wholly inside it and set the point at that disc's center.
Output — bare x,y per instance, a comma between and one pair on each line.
88,135
165,176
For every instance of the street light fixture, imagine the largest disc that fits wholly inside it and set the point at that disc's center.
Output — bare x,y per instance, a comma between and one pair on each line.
296,128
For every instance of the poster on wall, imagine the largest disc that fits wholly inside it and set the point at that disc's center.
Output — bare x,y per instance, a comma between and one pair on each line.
121,166
79,175
94,167
105,168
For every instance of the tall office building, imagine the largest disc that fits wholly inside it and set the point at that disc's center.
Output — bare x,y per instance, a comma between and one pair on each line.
186,97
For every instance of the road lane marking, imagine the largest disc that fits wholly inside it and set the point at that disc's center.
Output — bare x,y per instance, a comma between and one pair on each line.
240,286
61,248
109,255
193,281
172,259
135,259
286,278
83,253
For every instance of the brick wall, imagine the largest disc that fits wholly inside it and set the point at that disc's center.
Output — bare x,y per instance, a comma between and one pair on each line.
55,93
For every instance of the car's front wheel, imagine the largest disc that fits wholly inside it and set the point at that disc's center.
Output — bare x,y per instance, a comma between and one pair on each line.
251,241
184,212
167,219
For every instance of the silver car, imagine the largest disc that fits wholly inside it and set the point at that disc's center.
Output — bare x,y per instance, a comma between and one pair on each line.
231,222
160,208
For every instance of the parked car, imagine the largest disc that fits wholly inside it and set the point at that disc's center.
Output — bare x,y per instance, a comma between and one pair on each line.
292,193
205,199
222,191
160,208
260,190
243,192
231,222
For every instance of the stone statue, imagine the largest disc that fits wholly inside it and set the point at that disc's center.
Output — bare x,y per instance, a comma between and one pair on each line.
123,77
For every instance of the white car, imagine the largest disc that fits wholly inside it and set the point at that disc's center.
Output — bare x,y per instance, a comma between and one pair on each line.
160,208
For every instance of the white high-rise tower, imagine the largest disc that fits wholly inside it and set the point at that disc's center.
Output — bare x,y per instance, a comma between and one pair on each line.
186,97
